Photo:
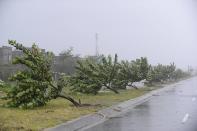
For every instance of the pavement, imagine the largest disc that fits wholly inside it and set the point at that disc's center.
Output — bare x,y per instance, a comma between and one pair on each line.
172,108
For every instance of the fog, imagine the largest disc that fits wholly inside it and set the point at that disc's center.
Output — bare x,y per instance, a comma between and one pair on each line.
163,30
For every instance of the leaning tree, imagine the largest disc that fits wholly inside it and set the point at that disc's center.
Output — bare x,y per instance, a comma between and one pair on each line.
133,71
161,73
92,75
34,85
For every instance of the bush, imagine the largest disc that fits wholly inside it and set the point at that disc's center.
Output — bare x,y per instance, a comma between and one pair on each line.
2,84
5,87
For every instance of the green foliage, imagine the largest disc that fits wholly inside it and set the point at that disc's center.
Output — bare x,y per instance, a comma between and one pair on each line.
133,71
85,79
161,73
179,74
4,87
35,85
140,69
33,82
125,74
2,84
92,75
108,70
150,75
56,90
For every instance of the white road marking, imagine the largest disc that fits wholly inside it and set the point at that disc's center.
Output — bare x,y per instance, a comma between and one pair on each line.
194,99
185,118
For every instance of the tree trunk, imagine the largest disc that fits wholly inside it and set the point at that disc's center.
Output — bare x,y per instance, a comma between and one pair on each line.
114,90
135,87
75,103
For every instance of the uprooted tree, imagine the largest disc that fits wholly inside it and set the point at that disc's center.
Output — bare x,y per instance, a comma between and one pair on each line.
35,85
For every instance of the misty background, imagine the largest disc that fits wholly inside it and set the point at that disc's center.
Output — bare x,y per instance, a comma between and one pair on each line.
163,30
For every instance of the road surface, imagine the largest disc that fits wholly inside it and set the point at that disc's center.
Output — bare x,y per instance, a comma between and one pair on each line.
173,110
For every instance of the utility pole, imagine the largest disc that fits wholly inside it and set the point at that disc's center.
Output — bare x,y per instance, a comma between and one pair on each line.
97,48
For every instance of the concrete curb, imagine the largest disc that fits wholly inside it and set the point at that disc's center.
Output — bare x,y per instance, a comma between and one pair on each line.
91,120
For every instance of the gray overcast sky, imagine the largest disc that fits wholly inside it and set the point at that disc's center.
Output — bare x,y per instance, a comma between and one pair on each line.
162,30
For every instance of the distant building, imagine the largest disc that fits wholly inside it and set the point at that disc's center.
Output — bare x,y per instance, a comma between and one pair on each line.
65,64
61,63
5,55
16,53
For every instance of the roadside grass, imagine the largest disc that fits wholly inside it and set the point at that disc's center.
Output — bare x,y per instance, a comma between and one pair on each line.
59,111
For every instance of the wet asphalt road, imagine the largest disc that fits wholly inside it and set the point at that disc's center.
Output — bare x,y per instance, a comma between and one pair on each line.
173,110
